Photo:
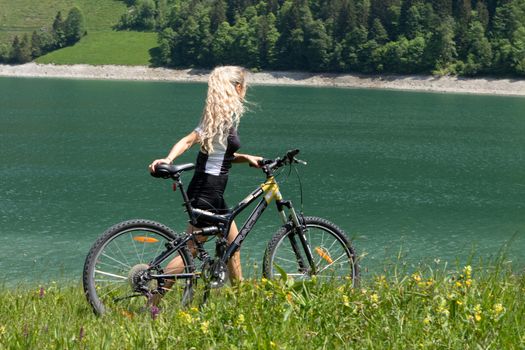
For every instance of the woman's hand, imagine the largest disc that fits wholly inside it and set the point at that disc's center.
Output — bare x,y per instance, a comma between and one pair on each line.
247,158
158,161
254,161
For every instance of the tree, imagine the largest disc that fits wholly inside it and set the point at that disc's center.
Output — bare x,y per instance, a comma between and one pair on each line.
58,31
295,16
318,46
479,51
518,52
222,43
443,8
440,53
245,49
217,14
36,45
363,9
21,50
268,35
4,53
352,49
388,12
378,32
482,13
165,39
74,27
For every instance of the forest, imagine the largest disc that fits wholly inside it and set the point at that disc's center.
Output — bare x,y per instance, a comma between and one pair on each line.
441,37
460,37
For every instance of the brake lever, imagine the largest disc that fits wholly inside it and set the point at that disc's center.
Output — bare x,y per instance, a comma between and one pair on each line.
296,160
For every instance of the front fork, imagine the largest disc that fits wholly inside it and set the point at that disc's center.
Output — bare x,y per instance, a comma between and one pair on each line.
298,229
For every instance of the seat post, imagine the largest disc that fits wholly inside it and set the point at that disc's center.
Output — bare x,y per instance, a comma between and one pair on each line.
187,203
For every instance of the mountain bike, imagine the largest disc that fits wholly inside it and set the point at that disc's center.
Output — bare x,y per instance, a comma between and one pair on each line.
126,266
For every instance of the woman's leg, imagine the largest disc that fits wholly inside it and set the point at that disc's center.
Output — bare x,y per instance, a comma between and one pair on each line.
234,264
176,265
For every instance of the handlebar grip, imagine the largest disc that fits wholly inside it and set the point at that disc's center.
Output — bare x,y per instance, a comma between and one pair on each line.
291,154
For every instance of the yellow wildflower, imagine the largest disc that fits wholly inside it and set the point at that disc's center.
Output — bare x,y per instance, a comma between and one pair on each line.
374,297
346,301
459,302
468,270
184,316
240,319
477,310
273,345
498,308
427,320
458,284
416,277
204,327
468,282
194,309
381,280
2,330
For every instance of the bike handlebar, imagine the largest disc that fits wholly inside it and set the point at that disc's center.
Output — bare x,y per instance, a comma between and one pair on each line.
270,165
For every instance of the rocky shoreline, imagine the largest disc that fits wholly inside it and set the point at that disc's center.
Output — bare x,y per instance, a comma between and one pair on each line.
511,87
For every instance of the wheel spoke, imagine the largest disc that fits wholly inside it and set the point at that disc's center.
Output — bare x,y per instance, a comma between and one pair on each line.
110,274
332,254
333,263
117,261
117,266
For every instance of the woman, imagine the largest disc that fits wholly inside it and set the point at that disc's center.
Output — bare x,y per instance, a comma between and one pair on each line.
219,142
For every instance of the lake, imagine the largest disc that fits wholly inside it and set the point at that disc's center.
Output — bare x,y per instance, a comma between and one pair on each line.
413,178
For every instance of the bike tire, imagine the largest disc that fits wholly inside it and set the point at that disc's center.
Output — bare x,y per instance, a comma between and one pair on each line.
332,251
121,254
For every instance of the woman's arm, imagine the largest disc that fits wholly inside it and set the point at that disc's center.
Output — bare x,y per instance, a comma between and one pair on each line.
179,148
247,158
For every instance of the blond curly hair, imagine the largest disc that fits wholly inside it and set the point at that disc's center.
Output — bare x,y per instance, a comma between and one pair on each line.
224,106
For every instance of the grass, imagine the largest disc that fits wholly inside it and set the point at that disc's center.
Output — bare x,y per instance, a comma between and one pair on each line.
98,48
430,309
18,17
101,46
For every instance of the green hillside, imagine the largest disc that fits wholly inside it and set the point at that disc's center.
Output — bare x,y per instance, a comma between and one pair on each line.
99,48
102,45
18,17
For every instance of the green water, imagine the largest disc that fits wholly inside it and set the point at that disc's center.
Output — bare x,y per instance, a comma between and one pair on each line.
437,177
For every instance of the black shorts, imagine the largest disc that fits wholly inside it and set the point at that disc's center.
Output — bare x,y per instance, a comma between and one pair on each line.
206,192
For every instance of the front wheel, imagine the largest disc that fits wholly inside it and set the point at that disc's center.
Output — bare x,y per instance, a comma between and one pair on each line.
322,250
117,276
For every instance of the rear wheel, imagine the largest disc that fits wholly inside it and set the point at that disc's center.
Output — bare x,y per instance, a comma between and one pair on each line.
116,275
331,254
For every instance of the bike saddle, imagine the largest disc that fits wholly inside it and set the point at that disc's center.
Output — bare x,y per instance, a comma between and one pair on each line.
167,171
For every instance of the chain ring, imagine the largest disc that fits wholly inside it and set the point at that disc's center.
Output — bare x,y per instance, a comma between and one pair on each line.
214,273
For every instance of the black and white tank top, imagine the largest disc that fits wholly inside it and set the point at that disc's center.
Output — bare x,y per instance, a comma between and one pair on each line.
220,161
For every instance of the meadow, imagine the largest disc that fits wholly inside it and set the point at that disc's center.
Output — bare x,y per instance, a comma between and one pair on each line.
431,308
102,45
23,16
101,48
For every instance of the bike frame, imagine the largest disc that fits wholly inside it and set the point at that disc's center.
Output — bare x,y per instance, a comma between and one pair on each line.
221,224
